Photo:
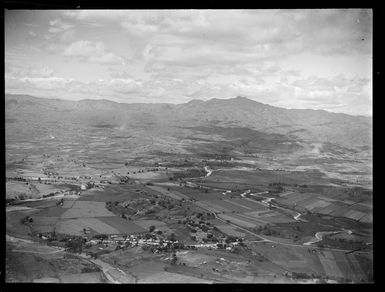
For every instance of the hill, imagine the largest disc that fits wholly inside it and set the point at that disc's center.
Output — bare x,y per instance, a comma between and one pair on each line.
315,126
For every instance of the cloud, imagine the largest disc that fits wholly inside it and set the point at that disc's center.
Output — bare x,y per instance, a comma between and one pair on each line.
93,52
19,72
47,83
338,93
287,31
177,55
58,25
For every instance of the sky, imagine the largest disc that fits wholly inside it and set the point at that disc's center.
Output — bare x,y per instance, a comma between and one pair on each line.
316,58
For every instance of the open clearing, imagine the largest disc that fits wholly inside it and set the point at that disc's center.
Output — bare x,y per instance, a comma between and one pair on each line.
264,177
174,195
145,225
81,278
238,221
76,226
334,264
56,211
122,225
166,277
16,189
110,193
322,205
87,209
230,230
14,225
44,224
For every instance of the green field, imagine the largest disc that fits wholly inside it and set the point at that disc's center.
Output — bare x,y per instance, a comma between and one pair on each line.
123,225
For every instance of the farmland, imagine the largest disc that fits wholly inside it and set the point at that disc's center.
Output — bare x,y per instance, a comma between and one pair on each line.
185,205
269,229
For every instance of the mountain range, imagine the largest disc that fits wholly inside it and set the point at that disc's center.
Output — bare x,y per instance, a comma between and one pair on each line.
316,126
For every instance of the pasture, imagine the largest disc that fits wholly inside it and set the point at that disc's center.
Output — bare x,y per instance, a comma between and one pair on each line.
94,277
244,222
76,226
334,264
122,225
230,230
145,224
197,194
167,277
56,211
109,193
44,224
13,222
251,205
18,190
322,205
265,177
164,191
87,209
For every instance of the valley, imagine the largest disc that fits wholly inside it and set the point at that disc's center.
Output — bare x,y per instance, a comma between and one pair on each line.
154,192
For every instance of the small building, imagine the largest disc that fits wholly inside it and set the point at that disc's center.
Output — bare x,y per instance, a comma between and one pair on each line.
83,187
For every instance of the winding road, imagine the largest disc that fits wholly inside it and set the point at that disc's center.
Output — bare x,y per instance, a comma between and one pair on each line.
113,275
208,170
263,239
319,235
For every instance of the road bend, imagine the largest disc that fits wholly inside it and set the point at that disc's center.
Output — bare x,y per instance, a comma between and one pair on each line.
263,239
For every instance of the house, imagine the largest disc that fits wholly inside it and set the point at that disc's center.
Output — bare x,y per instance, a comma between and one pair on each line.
83,187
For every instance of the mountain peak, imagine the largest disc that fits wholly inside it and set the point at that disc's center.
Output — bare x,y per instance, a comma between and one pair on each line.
195,101
241,98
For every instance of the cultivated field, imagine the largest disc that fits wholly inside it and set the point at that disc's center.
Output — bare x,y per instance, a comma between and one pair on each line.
87,209
322,205
122,225
76,226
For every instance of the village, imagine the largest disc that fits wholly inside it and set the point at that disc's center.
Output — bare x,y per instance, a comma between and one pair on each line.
153,241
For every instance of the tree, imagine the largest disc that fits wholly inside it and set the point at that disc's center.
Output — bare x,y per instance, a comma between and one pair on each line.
152,228
75,245
174,259
229,239
172,237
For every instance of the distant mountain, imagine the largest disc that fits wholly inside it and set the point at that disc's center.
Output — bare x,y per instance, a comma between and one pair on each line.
315,126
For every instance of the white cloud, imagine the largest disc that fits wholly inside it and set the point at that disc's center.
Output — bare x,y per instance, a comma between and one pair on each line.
19,72
177,55
94,52
58,25
48,83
